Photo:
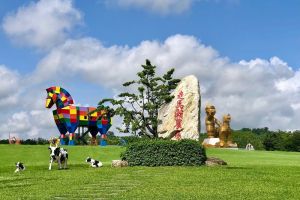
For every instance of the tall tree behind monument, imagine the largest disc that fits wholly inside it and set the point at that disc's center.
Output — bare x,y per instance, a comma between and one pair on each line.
139,109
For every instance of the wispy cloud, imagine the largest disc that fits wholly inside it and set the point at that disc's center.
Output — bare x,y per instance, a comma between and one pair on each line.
257,93
157,6
162,7
42,24
248,89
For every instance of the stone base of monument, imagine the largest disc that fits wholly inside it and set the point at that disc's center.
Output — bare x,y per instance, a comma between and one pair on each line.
215,142
232,146
211,142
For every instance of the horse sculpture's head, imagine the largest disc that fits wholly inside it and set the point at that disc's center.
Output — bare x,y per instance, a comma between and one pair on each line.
59,96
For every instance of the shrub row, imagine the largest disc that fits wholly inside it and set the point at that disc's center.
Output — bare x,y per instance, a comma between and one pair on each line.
164,153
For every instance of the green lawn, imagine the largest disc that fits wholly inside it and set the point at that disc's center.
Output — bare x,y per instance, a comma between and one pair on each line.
249,175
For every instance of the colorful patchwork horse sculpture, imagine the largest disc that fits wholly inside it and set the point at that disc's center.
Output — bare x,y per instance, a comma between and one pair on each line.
68,116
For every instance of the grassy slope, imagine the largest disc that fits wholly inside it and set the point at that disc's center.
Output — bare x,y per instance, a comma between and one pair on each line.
249,175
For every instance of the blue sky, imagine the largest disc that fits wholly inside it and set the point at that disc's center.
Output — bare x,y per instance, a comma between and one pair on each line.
244,52
237,29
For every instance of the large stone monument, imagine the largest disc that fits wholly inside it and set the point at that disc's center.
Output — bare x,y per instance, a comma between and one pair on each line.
180,119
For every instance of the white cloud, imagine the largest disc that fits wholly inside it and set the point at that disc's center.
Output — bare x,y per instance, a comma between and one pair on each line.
157,6
29,124
257,93
42,24
111,66
27,117
9,81
290,85
162,7
247,89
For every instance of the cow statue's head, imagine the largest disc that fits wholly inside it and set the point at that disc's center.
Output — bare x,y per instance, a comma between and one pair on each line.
54,151
88,159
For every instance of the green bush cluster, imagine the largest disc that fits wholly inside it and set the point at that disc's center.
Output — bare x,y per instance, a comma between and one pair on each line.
164,153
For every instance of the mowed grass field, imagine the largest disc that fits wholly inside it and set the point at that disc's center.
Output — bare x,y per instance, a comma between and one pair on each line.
249,175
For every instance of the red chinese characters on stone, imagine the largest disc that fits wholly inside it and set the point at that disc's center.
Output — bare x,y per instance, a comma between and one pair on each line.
179,115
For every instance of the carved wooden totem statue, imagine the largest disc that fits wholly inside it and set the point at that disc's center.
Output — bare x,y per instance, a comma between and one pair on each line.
225,132
211,123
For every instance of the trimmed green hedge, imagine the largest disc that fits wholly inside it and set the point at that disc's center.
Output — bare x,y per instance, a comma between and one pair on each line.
165,153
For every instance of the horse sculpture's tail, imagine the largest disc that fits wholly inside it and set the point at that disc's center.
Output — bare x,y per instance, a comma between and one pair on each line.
69,117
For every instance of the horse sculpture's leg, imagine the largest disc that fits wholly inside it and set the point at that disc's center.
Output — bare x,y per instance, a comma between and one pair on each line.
93,131
72,123
103,127
71,139
61,127
71,129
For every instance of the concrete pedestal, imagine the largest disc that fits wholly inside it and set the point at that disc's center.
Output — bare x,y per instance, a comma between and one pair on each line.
211,142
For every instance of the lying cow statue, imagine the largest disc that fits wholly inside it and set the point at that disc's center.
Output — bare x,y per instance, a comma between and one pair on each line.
59,155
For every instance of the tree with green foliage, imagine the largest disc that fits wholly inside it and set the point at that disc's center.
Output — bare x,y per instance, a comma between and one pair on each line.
139,109
244,136
293,142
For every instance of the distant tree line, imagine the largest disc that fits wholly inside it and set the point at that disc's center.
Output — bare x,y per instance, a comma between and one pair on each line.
111,140
34,141
260,138
265,139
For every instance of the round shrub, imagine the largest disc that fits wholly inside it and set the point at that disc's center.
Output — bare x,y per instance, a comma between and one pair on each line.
164,153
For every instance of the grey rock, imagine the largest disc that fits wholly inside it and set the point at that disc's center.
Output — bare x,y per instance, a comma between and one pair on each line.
119,163
212,161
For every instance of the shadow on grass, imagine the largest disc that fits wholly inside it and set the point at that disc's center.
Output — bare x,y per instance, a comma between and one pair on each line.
237,168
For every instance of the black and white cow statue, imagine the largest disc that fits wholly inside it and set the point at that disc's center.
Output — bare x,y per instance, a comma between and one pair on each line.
19,167
59,155
94,163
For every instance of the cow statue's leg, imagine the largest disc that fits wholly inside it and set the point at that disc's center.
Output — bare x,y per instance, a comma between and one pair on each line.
59,162
50,164
65,164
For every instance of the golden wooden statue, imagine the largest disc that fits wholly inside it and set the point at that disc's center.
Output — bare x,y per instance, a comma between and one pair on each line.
212,124
219,134
225,133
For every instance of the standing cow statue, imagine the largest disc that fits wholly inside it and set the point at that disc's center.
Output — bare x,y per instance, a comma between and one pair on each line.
68,116
59,155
